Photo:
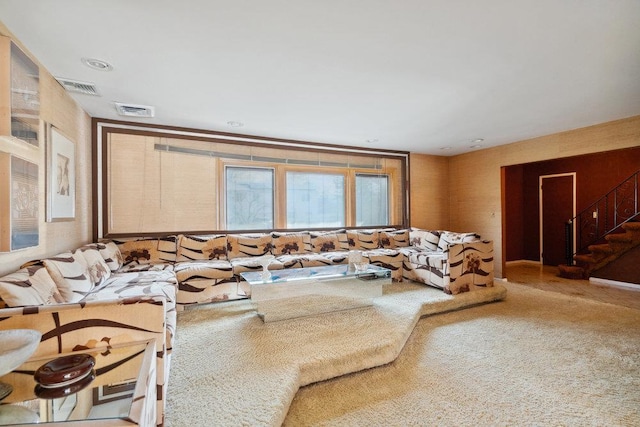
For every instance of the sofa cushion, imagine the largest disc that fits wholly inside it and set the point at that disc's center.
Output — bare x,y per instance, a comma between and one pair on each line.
447,238
384,256
394,239
338,257
248,245
97,268
29,286
424,239
192,247
149,250
70,271
133,267
203,269
110,253
290,243
141,283
324,242
363,239
315,260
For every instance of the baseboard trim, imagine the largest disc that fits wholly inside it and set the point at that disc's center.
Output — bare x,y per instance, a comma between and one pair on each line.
615,283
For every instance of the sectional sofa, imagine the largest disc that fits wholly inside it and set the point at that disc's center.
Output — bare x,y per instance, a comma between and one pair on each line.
124,290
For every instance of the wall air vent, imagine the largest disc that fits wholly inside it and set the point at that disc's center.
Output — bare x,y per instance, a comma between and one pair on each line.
78,87
132,110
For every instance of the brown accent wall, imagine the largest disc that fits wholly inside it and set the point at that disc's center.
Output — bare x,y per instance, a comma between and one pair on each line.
475,178
596,174
514,213
60,110
429,191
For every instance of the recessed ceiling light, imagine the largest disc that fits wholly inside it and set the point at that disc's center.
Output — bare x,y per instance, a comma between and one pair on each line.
445,148
235,124
97,64
371,141
475,146
478,140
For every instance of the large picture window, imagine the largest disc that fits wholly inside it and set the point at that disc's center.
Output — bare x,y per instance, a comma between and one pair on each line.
158,182
315,200
372,200
249,198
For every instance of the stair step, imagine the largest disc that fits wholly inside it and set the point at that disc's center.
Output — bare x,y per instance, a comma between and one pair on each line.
618,238
586,259
603,249
631,226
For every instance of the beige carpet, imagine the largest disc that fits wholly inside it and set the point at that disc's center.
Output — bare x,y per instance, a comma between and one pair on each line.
536,359
231,369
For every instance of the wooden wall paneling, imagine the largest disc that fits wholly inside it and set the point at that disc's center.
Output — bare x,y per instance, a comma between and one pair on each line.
475,177
429,191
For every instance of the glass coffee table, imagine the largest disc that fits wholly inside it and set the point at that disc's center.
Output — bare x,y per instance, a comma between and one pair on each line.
300,292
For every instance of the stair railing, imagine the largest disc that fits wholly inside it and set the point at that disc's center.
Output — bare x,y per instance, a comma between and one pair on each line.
609,212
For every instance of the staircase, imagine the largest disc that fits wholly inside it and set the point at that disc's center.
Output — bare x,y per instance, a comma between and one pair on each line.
602,254
598,227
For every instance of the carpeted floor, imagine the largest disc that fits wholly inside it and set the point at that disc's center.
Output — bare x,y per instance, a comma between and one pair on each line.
537,358
229,368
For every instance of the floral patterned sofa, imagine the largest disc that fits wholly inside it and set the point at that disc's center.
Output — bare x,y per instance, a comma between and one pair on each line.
130,289
85,299
208,267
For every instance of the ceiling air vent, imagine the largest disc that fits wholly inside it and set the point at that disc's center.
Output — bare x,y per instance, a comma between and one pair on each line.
133,110
78,87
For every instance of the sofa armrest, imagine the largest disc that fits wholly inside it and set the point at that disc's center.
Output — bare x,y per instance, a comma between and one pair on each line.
469,266
97,324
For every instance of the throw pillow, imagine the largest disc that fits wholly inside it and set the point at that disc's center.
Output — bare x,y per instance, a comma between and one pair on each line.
70,272
97,268
325,242
246,245
424,239
110,253
29,286
363,239
394,239
290,243
192,247
447,238
153,250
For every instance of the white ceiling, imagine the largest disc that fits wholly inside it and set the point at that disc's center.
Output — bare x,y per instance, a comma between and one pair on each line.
415,75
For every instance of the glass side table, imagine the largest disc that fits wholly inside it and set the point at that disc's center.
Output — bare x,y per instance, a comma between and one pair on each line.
120,391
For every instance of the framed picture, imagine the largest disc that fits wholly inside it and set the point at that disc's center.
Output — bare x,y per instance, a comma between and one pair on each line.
19,226
61,177
25,97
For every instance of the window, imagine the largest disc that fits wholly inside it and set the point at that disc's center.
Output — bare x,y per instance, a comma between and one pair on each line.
158,183
315,200
249,198
372,200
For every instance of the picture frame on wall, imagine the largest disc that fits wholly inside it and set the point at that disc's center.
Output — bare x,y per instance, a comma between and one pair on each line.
61,176
25,97
19,212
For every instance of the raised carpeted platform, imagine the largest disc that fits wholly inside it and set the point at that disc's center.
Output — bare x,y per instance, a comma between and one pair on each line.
230,368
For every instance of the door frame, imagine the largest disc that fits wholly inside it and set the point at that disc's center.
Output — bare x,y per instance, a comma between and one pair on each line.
557,175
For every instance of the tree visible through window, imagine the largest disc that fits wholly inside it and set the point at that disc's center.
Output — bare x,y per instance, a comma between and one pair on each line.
315,200
372,200
249,198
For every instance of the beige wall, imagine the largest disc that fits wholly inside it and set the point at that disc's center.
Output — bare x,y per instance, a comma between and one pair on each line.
475,199
58,109
429,191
